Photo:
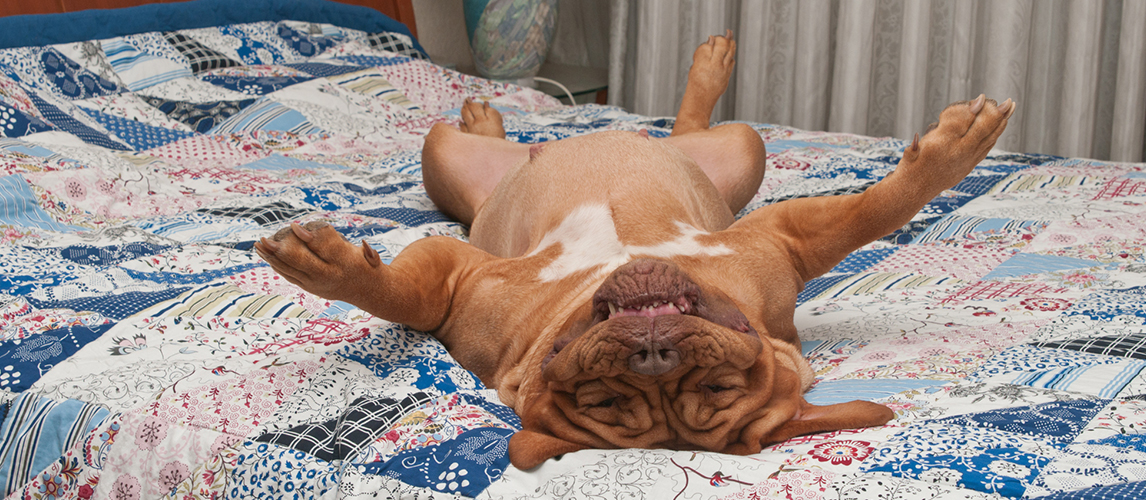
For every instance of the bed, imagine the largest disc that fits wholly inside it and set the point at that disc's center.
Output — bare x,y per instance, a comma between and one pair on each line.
147,352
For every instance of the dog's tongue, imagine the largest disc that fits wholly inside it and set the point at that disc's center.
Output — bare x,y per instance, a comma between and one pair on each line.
648,311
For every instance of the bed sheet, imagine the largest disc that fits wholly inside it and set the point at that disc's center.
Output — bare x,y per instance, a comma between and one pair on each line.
146,351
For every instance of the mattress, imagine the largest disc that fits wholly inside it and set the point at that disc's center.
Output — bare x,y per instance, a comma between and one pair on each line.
146,351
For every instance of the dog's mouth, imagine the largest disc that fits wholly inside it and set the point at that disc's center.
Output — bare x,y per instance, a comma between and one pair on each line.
642,316
647,288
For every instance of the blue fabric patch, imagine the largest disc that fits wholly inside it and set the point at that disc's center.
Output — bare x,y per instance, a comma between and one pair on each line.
910,231
1112,492
38,430
337,196
355,234
955,226
117,306
254,85
140,136
863,260
264,470
304,44
432,373
278,162
465,465
1059,421
25,361
71,79
23,285
1023,264
337,310
943,205
1136,442
406,216
73,126
266,115
828,392
976,185
323,70
818,286
16,123
1003,471
18,207
198,278
104,256
375,60
1109,304
783,145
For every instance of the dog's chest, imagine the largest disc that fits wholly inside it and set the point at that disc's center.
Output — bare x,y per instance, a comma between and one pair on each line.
588,239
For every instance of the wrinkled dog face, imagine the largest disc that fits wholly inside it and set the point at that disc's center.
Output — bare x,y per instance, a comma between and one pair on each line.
661,362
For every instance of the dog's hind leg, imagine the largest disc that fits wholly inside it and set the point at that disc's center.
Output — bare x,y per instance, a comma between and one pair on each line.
732,155
461,166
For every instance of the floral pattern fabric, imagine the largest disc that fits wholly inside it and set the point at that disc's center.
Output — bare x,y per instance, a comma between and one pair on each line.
146,351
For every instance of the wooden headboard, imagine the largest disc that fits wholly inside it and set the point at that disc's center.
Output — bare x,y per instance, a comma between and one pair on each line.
399,10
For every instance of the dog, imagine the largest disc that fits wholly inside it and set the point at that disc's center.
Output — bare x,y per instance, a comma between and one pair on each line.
608,294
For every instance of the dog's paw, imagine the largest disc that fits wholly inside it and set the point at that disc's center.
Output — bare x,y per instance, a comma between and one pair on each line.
479,118
712,64
950,149
318,259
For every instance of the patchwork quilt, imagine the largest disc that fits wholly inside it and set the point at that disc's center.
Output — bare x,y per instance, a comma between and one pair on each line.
147,352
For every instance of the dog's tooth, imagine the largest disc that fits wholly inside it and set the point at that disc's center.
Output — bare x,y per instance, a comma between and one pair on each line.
612,309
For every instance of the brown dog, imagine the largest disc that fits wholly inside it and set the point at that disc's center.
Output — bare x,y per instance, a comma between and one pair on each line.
608,294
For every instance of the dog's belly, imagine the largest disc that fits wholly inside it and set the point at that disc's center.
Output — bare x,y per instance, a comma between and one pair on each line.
602,193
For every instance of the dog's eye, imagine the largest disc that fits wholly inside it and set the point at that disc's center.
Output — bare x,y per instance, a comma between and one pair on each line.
605,403
716,389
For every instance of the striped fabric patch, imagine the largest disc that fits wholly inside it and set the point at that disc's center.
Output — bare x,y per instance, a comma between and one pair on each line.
37,430
226,300
137,68
266,115
956,226
1015,183
869,283
372,83
1094,374
18,207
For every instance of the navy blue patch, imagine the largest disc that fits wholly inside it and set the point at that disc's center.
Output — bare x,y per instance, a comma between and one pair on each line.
26,360
118,306
406,216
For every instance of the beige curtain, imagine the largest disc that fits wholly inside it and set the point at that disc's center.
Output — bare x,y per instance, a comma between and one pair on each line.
1077,68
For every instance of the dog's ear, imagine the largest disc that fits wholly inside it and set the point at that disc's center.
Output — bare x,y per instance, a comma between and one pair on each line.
528,449
812,418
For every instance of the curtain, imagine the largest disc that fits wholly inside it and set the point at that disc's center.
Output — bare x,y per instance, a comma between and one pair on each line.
1077,68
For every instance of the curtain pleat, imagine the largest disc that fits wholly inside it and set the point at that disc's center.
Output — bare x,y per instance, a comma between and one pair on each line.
1077,68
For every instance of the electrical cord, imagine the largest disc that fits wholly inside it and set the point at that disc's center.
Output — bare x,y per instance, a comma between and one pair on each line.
577,118
557,83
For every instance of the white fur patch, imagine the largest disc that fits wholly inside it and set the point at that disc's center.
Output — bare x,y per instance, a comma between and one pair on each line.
589,239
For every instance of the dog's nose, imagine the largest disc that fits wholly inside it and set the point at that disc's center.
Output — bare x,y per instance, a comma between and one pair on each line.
656,358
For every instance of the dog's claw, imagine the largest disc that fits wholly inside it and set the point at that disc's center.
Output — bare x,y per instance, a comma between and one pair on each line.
977,104
270,245
915,143
301,232
1007,107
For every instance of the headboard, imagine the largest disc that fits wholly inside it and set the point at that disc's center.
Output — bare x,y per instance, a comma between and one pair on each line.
399,10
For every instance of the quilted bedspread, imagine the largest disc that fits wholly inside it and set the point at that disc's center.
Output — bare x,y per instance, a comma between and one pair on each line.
146,351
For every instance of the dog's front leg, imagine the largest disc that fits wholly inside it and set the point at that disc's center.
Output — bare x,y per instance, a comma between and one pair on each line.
415,289
820,232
